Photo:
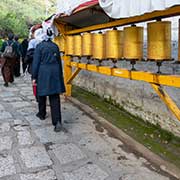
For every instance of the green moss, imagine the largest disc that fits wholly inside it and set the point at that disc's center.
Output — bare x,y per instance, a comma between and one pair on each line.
162,142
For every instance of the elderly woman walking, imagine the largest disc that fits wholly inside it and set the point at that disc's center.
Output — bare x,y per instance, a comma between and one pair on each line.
47,73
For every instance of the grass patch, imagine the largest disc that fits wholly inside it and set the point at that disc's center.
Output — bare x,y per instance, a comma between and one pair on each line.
160,141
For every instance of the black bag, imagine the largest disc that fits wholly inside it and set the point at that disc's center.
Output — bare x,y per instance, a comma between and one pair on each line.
29,56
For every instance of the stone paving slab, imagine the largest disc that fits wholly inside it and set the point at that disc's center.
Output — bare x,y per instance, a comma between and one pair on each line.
93,142
18,105
5,143
31,150
5,115
67,153
7,166
25,138
35,157
48,135
88,172
44,175
6,94
4,127
27,111
12,99
1,108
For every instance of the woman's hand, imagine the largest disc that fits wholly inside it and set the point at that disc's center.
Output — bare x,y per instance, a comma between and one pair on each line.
33,82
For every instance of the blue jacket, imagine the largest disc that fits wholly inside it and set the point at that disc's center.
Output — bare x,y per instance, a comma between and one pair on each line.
47,69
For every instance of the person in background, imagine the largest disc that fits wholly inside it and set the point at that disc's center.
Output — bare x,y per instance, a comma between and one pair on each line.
8,58
47,74
23,49
33,42
17,61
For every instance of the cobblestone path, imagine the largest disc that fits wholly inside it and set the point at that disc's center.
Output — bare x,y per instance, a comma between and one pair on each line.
31,150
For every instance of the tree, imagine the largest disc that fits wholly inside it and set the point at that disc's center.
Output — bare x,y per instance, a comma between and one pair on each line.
18,15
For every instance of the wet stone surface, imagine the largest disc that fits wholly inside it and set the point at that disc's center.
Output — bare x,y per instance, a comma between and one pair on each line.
31,150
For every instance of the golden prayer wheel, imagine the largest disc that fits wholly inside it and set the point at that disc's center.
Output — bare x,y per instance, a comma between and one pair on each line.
55,40
114,44
133,43
98,49
61,43
77,45
59,40
87,44
159,40
69,45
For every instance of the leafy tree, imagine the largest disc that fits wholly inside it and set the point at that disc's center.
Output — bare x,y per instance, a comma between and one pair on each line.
18,15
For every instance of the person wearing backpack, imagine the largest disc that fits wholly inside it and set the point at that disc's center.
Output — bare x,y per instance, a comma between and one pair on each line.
9,51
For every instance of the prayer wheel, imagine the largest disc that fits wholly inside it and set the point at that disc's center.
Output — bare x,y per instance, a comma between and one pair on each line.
133,43
114,44
98,49
59,40
159,40
77,45
61,43
87,44
69,45
55,40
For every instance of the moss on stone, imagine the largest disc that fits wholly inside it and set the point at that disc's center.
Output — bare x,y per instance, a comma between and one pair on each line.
160,141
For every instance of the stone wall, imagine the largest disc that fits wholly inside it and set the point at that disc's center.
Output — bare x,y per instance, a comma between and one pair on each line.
136,97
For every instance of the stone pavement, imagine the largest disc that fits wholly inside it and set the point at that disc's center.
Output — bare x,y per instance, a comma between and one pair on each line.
31,150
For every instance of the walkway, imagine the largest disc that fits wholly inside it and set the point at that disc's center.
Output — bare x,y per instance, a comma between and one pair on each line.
31,150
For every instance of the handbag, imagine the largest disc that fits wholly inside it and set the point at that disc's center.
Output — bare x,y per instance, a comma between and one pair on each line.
34,89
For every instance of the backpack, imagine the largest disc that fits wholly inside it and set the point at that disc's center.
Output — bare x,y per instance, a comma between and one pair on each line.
9,51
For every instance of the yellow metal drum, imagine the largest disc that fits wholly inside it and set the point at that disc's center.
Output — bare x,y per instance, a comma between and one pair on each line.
159,40
98,46
77,45
69,45
133,43
114,44
60,41
87,44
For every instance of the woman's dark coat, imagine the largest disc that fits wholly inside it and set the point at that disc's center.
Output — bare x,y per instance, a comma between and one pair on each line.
47,69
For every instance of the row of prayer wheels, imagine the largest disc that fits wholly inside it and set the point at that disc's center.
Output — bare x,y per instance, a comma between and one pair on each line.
126,44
